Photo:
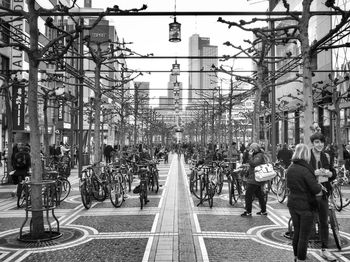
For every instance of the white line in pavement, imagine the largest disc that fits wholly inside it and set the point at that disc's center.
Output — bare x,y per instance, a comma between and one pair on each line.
10,258
203,249
155,222
148,249
69,219
25,255
8,205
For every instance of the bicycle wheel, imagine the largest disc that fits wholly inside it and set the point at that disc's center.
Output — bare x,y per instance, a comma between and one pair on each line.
236,190
274,182
116,194
130,179
156,180
21,197
230,192
195,189
335,228
346,202
64,188
337,198
220,183
98,190
85,194
289,234
143,195
266,188
281,190
211,192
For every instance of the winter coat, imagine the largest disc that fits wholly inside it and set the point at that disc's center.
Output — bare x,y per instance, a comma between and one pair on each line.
255,160
302,185
324,163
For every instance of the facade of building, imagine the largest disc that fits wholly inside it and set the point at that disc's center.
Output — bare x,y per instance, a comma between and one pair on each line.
199,81
62,113
288,96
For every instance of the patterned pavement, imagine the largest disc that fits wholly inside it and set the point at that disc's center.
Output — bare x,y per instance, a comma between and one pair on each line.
170,228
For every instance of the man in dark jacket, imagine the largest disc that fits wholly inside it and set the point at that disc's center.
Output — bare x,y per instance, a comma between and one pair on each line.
21,165
325,173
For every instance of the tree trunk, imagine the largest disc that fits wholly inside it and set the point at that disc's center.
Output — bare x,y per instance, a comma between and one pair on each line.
307,74
9,125
46,125
338,133
230,127
36,176
97,107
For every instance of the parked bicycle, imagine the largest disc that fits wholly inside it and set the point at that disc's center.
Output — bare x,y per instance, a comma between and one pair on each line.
92,186
237,183
142,172
116,181
338,199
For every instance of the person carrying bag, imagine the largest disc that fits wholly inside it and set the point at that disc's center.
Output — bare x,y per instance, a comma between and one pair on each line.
254,187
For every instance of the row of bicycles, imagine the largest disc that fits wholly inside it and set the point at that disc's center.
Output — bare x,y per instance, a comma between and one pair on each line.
56,169
113,180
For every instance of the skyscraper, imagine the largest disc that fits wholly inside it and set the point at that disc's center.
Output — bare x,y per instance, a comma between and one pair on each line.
198,81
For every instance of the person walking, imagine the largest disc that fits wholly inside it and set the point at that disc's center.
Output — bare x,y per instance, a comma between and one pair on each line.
254,188
302,203
21,165
325,173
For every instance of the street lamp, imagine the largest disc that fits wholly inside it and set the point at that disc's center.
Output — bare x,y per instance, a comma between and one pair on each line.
175,31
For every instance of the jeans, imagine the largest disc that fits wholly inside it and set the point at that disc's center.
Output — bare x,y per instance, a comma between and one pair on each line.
302,223
323,209
254,190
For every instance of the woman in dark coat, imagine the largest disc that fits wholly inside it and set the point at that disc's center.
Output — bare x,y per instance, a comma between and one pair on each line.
254,188
302,204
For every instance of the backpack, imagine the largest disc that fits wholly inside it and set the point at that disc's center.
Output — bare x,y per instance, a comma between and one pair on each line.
58,150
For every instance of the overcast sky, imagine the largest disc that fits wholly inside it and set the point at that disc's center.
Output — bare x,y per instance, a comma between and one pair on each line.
150,34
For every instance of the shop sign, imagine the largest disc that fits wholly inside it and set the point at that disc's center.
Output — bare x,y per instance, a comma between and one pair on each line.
60,110
99,33
18,104
17,37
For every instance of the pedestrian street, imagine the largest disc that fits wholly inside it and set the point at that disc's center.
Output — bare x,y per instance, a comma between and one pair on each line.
171,227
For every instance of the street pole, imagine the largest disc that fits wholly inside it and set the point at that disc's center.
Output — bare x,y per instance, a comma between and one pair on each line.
273,93
81,100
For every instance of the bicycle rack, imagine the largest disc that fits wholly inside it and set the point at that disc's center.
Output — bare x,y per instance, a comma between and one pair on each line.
50,200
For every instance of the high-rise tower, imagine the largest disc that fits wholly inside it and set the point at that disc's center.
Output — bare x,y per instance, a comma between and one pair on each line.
200,81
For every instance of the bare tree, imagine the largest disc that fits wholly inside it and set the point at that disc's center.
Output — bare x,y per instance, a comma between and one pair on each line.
36,55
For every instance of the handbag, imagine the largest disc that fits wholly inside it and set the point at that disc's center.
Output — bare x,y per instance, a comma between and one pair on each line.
264,172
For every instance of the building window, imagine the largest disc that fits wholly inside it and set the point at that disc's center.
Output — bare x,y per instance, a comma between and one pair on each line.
4,31
4,64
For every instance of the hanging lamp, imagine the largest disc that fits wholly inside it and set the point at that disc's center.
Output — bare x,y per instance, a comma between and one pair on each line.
175,30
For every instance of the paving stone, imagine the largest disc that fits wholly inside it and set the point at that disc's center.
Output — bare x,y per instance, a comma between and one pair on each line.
125,223
245,250
8,223
105,250
230,223
129,202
